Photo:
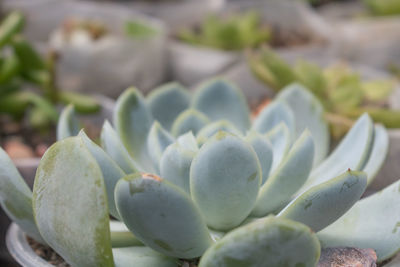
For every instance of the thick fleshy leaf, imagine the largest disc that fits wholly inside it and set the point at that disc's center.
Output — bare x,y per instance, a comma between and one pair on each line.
121,236
189,120
287,178
167,102
263,148
132,120
176,160
373,222
157,142
208,131
323,204
162,216
279,138
308,114
110,170
225,177
70,204
116,150
219,99
142,257
272,115
352,153
378,153
68,124
16,197
268,242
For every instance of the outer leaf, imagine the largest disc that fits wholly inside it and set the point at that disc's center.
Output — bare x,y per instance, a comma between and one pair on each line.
167,102
162,216
268,242
208,131
157,142
132,120
288,177
141,257
308,114
189,120
378,153
176,160
272,115
325,203
279,138
16,197
219,99
68,123
224,180
113,146
263,148
70,204
373,222
352,153
110,170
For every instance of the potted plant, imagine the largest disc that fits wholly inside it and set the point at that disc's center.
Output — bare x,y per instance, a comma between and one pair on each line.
216,43
211,196
97,62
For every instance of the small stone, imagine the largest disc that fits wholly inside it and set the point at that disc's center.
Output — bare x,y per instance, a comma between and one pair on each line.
347,257
17,150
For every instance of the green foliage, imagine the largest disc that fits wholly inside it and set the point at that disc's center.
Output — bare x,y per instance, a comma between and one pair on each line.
139,30
232,33
209,193
22,66
341,90
383,7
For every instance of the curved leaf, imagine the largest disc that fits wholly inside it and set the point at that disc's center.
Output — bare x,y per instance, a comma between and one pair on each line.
167,102
279,138
157,142
218,99
323,204
378,153
373,222
224,180
70,204
308,114
352,153
268,242
288,177
132,120
16,197
263,148
162,216
121,236
272,115
142,257
110,170
114,148
68,124
176,161
208,131
189,120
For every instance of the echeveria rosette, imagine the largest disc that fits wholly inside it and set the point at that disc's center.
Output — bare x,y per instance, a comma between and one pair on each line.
210,191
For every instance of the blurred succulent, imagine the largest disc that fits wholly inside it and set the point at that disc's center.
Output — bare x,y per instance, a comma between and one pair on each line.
21,67
177,196
341,91
235,32
383,7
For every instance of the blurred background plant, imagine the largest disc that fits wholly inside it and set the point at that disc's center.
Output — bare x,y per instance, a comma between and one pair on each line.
343,93
383,7
28,88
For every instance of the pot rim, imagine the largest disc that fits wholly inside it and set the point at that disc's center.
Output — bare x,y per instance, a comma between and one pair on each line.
21,251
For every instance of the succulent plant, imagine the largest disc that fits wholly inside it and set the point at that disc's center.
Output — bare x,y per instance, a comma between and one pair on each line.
21,64
238,193
383,7
234,32
341,91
